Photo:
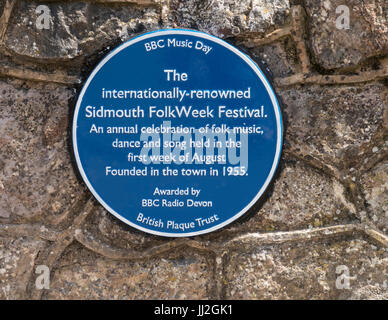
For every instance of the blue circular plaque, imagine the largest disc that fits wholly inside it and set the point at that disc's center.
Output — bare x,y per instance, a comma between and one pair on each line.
177,133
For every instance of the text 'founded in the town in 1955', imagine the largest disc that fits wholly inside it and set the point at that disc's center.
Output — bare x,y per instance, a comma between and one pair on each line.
177,133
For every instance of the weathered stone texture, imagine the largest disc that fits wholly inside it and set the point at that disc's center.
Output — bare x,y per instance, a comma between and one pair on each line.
225,18
2,3
296,204
83,275
327,208
105,227
280,57
77,29
366,37
16,265
300,271
37,180
334,124
375,185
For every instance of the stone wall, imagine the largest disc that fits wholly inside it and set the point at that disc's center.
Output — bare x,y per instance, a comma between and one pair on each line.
326,212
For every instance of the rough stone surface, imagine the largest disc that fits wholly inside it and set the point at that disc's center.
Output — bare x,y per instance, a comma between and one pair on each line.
295,204
2,3
280,57
366,37
333,124
16,264
77,29
37,180
375,184
83,275
308,272
327,208
102,225
225,18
